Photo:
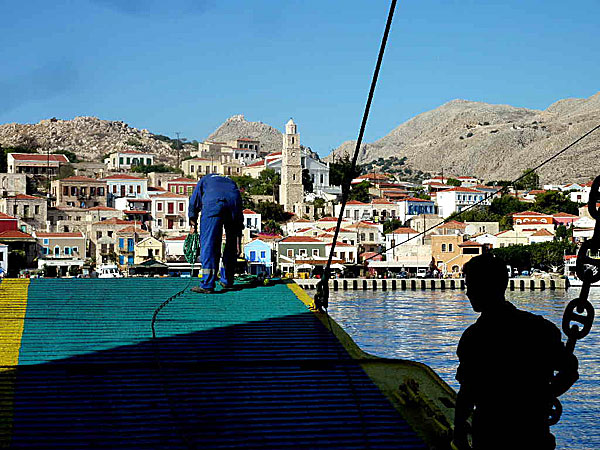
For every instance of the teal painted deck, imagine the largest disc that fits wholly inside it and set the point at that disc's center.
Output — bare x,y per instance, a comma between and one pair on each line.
246,369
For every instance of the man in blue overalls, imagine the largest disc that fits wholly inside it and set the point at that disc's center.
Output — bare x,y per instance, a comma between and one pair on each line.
219,199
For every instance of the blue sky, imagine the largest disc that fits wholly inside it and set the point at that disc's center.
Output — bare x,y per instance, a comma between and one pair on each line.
187,65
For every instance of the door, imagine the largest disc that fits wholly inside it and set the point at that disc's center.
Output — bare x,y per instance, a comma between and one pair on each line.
170,224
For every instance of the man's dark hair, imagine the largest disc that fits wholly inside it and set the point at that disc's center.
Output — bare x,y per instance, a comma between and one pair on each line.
487,269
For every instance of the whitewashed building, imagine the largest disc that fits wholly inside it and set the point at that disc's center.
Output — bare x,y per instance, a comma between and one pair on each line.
457,199
125,160
124,186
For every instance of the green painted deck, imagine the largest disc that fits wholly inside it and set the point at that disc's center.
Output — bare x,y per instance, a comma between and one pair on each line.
244,369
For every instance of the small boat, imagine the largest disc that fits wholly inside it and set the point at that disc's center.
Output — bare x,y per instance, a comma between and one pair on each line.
571,273
108,271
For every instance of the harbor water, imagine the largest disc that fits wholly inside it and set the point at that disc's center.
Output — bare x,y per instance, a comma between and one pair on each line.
426,325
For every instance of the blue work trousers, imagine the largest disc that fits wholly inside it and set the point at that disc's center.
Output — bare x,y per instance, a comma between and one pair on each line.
216,216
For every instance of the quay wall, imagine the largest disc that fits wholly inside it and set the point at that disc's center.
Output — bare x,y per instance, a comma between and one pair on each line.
353,284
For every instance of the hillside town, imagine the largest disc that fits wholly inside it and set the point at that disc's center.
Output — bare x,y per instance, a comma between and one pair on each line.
119,216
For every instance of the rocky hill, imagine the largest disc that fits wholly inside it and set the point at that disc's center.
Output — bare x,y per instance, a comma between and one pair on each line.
88,137
492,141
237,126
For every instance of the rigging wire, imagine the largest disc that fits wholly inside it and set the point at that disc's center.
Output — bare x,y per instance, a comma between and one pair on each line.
487,196
322,295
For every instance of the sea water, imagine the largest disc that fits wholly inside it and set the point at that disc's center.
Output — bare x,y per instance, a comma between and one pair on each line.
426,325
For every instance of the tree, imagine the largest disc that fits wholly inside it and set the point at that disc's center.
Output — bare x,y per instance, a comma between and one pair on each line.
159,168
530,180
360,192
507,204
340,173
552,202
273,211
563,233
453,182
271,227
65,171
391,225
478,214
307,183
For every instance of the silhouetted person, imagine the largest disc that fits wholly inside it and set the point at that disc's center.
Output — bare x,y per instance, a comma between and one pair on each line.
507,362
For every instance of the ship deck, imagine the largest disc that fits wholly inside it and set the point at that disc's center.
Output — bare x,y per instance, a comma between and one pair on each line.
253,368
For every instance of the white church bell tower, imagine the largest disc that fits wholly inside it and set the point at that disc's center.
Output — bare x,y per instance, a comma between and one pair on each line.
291,190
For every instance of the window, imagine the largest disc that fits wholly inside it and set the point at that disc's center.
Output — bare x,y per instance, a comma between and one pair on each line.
159,206
26,210
181,206
450,247
263,254
109,233
139,189
128,160
181,190
46,241
92,190
181,224
45,251
170,208
73,190
315,252
253,256
66,190
100,191
303,252
290,253
443,247
98,234
56,250
67,250
362,236
121,243
114,188
192,168
121,162
159,222
83,190
371,237
131,189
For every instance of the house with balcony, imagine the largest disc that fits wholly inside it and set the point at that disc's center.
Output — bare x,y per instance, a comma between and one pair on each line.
32,212
252,221
259,255
124,186
452,252
124,160
170,213
457,199
147,249
182,185
61,254
127,238
198,167
82,192
137,210
103,239
531,221
35,163
345,253
411,207
300,252
369,236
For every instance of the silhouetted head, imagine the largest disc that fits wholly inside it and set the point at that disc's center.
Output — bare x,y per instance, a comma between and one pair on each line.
486,278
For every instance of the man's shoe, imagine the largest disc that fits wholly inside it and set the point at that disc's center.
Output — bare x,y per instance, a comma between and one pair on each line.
226,287
201,290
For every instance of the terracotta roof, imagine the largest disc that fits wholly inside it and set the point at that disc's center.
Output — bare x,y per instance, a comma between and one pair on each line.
274,154
132,229
113,221
59,235
461,189
415,199
529,213
404,230
257,164
328,219
182,180
132,152
542,232
342,230
14,234
25,197
268,237
39,157
466,178
565,215
122,176
81,178
248,139
453,224
307,239
302,230
6,217
175,238
381,201
249,211
155,189
470,244
101,208
356,202
373,255
315,262
170,195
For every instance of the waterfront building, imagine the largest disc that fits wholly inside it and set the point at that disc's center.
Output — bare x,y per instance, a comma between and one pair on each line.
120,161
12,184
32,212
149,248
35,163
411,207
456,199
259,254
83,192
124,186
170,212
61,253
532,220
